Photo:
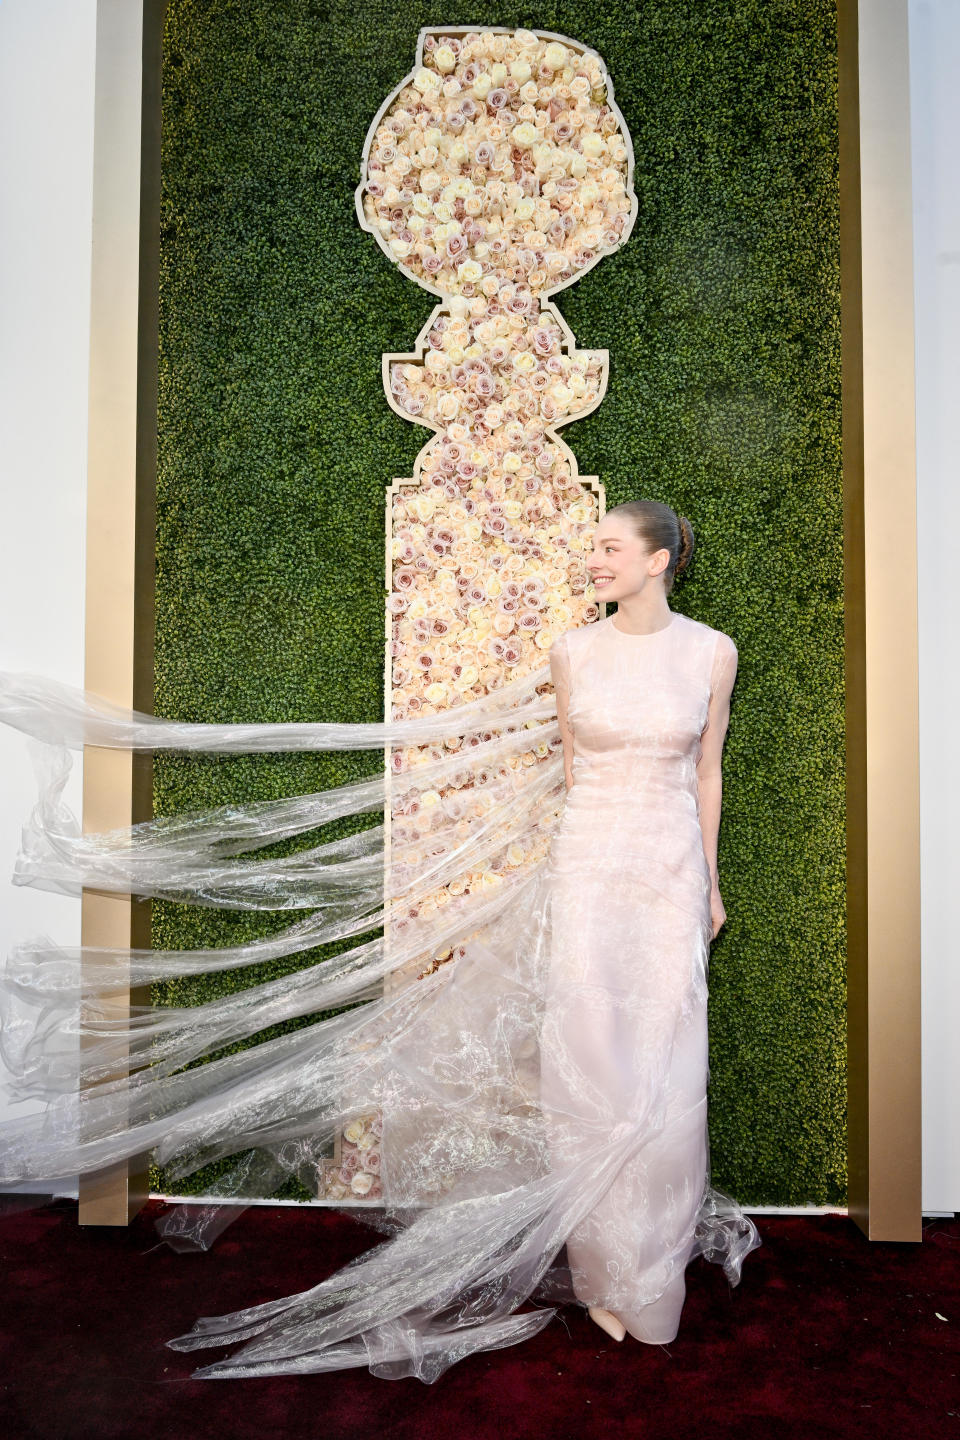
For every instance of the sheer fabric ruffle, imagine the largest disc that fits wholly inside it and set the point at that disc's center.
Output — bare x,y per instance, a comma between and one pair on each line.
488,1165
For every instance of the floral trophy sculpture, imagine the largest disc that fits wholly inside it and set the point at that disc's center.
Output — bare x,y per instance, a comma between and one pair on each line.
497,172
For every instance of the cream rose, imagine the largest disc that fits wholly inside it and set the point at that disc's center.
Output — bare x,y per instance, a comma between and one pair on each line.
426,81
524,135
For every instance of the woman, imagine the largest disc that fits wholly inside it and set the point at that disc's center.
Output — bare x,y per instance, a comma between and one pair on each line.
643,702
543,1088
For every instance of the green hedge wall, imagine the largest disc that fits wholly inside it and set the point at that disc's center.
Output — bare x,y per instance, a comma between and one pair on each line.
721,315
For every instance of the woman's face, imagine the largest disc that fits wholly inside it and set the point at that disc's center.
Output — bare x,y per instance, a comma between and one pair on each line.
618,564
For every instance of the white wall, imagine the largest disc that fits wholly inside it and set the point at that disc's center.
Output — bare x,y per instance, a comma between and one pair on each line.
46,167
935,138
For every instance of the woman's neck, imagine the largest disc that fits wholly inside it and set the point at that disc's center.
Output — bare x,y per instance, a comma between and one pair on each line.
642,614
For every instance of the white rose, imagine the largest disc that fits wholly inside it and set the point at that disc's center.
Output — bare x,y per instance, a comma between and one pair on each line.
525,208
423,506
437,361
470,271
400,248
361,1183
482,86
555,56
520,71
430,180
353,1131
498,73
444,59
592,145
425,80
524,362
448,406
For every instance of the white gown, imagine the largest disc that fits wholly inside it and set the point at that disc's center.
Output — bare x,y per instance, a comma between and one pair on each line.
624,1045
542,1095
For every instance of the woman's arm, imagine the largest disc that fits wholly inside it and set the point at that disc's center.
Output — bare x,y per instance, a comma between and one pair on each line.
560,675
709,772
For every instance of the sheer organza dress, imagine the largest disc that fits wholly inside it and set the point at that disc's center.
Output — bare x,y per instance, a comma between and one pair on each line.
624,1042
541,1094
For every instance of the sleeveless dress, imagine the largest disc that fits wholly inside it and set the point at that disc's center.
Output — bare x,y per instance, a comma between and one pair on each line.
624,1042
541,1098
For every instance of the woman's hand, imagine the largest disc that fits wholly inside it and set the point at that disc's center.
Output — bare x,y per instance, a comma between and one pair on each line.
717,913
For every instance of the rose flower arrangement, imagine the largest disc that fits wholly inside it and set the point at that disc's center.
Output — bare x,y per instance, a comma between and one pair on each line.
499,172
501,158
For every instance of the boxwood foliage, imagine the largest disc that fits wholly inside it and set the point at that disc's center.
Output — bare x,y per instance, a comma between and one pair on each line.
721,315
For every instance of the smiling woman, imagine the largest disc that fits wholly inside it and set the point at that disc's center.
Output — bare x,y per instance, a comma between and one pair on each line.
517,1066
633,544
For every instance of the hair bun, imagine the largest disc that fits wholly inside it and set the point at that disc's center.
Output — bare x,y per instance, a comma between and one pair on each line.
685,550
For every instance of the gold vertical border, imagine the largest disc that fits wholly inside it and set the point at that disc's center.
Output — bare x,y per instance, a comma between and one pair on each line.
121,484
881,641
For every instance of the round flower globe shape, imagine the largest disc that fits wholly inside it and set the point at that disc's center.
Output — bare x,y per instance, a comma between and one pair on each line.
501,158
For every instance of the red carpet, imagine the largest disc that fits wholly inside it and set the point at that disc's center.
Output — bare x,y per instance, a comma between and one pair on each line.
828,1335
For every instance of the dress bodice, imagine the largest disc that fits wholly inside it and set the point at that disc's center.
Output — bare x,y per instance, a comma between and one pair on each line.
637,706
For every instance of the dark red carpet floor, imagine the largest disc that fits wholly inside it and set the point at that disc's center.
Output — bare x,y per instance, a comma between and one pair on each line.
828,1335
